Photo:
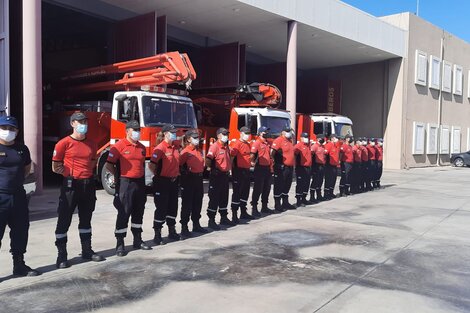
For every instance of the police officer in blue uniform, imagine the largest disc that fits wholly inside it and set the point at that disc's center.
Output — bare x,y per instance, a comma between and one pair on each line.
15,165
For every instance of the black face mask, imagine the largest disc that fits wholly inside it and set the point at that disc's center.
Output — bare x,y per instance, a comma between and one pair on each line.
321,141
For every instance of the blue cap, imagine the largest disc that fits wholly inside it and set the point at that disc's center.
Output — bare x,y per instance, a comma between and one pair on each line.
263,129
304,135
8,121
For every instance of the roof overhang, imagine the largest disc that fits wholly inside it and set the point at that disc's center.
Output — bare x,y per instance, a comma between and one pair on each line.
330,32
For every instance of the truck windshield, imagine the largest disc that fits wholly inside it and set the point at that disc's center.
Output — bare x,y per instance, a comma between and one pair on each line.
343,129
275,124
160,111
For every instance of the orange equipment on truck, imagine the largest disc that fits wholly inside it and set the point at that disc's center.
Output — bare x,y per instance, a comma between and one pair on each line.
251,105
141,95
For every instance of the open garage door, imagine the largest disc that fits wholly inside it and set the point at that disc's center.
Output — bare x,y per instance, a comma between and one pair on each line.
136,37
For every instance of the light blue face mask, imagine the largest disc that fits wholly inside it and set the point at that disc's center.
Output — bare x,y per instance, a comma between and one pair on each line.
82,129
173,136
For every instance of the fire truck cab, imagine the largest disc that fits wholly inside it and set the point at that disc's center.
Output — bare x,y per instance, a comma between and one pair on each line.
152,110
330,123
323,123
254,117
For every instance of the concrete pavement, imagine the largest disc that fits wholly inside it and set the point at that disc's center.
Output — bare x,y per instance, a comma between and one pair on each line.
401,249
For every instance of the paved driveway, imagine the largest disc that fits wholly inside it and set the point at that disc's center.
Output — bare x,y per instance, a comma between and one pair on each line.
404,248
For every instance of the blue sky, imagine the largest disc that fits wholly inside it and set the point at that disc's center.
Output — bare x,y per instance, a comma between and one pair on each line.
452,15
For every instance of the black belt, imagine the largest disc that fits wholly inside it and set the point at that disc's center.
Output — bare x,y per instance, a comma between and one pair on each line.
194,174
262,166
82,181
171,179
219,172
132,179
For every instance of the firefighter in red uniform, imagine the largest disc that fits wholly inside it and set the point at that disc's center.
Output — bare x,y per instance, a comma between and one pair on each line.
331,167
284,160
379,157
165,166
75,159
261,160
347,160
364,165
192,191
356,171
303,165
318,171
219,165
372,170
240,151
126,161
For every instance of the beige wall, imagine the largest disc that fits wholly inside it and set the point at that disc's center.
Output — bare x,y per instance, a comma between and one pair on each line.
372,96
421,104
362,95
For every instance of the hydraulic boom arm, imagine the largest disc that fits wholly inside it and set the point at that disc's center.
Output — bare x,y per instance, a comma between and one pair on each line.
161,69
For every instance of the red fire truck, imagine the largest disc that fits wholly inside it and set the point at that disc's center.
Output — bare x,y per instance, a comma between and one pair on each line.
140,94
252,105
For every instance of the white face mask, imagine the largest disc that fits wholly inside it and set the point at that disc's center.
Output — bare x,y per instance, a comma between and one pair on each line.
288,135
304,140
380,144
195,141
7,135
246,137
372,144
224,138
135,135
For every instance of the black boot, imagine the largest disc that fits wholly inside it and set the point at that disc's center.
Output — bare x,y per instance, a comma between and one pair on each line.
212,224
332,193
244,214
89,254
185,233
278,206
347,190
378,184
299,202
157,239
254,212
62,254
312,197
139,243
197,228
341,191
120,247
286,205
305,201
20,268
266,210
319,196
172,234
224,220
235,219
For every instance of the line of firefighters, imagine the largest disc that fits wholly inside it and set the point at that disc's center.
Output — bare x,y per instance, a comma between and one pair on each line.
178,170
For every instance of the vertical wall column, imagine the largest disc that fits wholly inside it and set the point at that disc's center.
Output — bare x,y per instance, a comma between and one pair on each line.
32,85
291,79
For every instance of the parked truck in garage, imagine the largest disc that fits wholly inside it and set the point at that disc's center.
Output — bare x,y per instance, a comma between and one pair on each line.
323,123
251,105
140,94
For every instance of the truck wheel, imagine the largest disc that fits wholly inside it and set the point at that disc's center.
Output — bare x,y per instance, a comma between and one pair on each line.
107,180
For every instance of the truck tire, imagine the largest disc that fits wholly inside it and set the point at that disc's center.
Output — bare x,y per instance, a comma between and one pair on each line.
107,180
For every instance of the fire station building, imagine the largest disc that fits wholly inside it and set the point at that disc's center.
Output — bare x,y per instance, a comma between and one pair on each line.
397,77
